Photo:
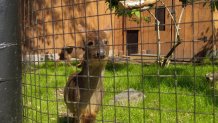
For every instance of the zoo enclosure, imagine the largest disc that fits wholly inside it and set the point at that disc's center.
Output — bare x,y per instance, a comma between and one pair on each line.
50,25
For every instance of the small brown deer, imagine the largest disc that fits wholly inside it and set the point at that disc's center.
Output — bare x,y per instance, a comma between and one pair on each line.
83,92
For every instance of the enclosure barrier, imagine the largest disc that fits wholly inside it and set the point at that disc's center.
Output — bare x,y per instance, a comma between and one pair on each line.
161,67
10,63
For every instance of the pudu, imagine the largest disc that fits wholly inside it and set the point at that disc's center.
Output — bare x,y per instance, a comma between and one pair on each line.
84,90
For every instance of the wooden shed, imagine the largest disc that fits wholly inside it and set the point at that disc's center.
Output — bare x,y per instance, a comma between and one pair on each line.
198,31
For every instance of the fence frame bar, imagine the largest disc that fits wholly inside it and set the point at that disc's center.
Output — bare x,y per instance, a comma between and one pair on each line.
10,63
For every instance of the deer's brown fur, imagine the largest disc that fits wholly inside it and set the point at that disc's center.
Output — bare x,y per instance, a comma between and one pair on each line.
84,90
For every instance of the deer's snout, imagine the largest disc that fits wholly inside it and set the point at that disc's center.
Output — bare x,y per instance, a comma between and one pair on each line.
101,53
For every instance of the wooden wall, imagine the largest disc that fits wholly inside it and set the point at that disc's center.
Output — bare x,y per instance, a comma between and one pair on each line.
53,24
49,25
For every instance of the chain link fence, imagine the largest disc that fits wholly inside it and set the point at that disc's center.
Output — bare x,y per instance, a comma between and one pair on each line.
161,61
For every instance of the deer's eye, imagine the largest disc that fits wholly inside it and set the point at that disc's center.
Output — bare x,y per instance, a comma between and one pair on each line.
90,43
106,42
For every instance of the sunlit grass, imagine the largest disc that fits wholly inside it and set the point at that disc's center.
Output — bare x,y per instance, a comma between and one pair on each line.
179,93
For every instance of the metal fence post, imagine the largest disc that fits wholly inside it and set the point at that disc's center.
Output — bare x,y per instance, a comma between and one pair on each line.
10,63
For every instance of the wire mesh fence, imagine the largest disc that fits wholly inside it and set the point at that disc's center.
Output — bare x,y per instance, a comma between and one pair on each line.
119,61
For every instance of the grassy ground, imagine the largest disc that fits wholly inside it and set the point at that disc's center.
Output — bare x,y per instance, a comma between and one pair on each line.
179,94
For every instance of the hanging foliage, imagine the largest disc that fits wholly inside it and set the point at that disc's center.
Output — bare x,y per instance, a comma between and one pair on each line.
133,7
214,5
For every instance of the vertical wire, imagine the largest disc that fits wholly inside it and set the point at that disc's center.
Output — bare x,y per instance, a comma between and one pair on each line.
38,36
63,34
127,75
74,27
25,64
35,62
123,33
158,67
71,5
33,26
31,97
29,63
65,69
193,51
113,64
87,60
128,85
21,4
171,27
46,64
54,20
87,52
174,57
98,30
31,78
127,72
75,44
213,59
42,21
142,63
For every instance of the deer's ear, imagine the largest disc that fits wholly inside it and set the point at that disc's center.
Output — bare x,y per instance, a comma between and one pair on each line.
105,41
83,48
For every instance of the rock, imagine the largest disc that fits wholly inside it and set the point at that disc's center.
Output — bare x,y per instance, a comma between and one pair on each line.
132,95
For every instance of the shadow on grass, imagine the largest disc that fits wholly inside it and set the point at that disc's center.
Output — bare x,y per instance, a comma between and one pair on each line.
213,96
115,66
173,76
52,64
179,76
65,119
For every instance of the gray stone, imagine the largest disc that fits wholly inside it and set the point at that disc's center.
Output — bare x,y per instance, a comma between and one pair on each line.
132,95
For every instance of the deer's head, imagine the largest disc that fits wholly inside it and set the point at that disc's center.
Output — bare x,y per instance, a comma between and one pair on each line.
96,46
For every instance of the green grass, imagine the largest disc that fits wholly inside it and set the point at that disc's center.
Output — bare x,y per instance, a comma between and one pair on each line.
179,94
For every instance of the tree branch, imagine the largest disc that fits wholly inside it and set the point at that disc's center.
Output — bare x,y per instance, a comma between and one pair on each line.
177,36
158,35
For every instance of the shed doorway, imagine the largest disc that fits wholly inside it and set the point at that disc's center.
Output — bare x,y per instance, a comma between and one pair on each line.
132,42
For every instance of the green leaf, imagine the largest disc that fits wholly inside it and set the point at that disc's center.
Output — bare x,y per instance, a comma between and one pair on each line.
138,14
215,5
